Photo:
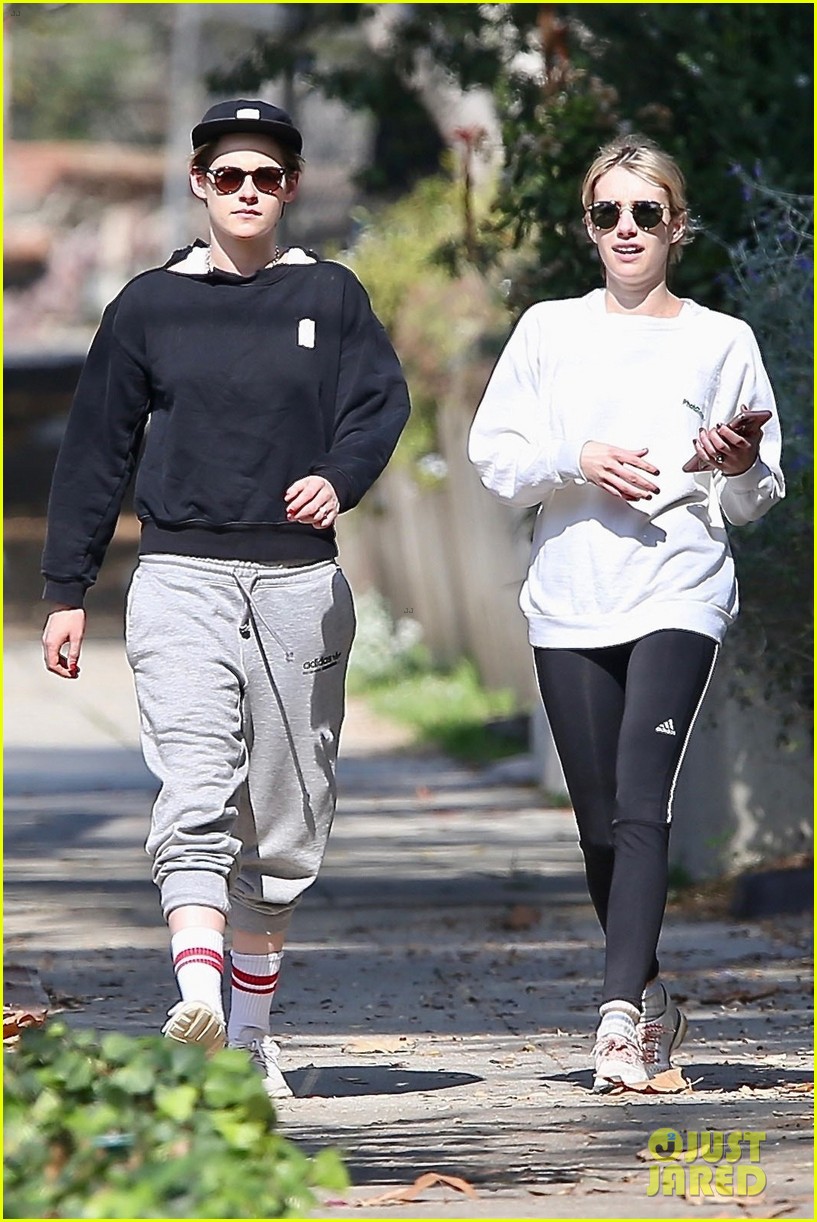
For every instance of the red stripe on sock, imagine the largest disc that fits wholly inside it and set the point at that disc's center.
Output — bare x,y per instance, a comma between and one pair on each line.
199,954
200,950
266,982
254,991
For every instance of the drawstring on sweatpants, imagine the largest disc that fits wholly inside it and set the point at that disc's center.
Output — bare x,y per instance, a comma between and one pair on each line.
253,616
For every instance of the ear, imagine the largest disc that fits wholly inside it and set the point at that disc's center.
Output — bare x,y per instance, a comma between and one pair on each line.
197,181
293,182
679,228
591,229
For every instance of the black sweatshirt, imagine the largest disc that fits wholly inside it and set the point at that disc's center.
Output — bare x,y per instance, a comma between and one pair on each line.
238,386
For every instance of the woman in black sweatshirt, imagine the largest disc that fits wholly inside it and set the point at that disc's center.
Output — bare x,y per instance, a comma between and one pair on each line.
257,396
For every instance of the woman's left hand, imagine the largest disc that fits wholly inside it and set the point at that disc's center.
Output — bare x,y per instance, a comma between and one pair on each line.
726,451
312,501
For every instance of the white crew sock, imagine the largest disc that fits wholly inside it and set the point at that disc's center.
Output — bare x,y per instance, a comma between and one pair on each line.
253,983
198,961
618,1018
654,999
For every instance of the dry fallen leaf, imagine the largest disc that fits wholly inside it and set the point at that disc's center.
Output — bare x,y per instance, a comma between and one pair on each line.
379,1043
521,916
679,1156
671,1082
15,1020
412,1191
784,1088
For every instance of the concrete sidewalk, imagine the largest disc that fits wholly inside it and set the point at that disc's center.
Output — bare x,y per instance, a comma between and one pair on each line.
438,997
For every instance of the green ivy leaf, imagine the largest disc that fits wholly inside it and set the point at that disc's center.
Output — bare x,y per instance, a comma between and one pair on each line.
135,1079
117,1048
114,1127
238,1133
327,1170
177,1102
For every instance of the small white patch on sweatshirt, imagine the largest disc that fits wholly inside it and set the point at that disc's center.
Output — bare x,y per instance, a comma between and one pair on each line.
306,333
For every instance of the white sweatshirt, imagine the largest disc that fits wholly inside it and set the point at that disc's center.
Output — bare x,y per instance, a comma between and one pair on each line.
604,571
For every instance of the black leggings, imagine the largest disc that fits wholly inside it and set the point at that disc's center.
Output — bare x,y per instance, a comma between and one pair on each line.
621,718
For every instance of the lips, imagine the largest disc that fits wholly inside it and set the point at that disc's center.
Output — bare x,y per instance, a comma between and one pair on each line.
627,248
246,212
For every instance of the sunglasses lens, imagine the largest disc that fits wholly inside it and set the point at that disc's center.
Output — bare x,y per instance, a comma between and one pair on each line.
604,215
268,178
647,214
228,179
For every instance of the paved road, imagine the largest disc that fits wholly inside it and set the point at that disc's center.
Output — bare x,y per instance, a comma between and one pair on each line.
437,1000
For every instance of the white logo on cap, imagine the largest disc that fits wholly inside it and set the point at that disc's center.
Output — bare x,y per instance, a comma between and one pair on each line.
248,112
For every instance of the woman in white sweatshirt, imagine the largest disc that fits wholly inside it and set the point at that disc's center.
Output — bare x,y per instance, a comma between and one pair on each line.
593,409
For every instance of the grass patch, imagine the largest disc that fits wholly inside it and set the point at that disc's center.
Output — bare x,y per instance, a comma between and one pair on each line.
452,711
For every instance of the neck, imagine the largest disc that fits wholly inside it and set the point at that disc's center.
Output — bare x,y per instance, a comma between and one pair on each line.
243,258
655,300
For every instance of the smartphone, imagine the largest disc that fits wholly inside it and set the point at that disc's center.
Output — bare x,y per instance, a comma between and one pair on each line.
746,423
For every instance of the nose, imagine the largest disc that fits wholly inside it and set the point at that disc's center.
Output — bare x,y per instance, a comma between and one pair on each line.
248,191
626,225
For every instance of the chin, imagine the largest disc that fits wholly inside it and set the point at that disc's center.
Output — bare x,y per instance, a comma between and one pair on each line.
249,235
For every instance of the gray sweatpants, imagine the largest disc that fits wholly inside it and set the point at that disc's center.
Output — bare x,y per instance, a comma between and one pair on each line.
240,671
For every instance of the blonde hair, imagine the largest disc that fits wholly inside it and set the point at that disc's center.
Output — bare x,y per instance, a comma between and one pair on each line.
644,157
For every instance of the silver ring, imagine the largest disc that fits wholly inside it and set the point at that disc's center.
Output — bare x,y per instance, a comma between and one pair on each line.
719,458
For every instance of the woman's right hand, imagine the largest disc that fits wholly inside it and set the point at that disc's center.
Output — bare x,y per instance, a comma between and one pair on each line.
65,626
617,470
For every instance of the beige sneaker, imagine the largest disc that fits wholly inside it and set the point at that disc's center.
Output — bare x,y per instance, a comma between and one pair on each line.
659,1037
617,1055
195,1022
264,1053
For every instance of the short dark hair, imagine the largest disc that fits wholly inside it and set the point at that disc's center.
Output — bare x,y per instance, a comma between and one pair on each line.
203,156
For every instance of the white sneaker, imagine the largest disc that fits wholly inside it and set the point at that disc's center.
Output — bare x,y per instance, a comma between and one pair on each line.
195,1022
617,1054
264,1053
659,1037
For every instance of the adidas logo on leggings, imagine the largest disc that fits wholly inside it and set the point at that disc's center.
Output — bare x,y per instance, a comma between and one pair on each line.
666,727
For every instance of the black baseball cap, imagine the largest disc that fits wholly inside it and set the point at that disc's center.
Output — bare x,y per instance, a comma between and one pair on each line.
247,116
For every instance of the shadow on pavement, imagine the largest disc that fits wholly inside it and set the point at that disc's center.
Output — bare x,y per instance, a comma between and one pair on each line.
729,1078
345,1081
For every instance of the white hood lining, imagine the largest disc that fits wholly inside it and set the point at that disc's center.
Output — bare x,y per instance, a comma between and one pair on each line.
195,263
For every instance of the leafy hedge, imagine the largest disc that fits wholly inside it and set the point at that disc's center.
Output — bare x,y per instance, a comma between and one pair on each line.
113,1126
772,288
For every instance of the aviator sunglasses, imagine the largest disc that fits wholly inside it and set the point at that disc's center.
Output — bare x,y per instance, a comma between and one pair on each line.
647,213
228,179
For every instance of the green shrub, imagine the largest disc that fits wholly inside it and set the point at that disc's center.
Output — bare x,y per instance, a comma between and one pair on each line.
772,288
447,708
111,1126
434,311
384,650
451,711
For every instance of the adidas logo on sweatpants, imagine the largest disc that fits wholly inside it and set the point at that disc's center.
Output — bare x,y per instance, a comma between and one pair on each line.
666,727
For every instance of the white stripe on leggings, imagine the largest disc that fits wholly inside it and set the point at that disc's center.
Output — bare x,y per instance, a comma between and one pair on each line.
689,733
